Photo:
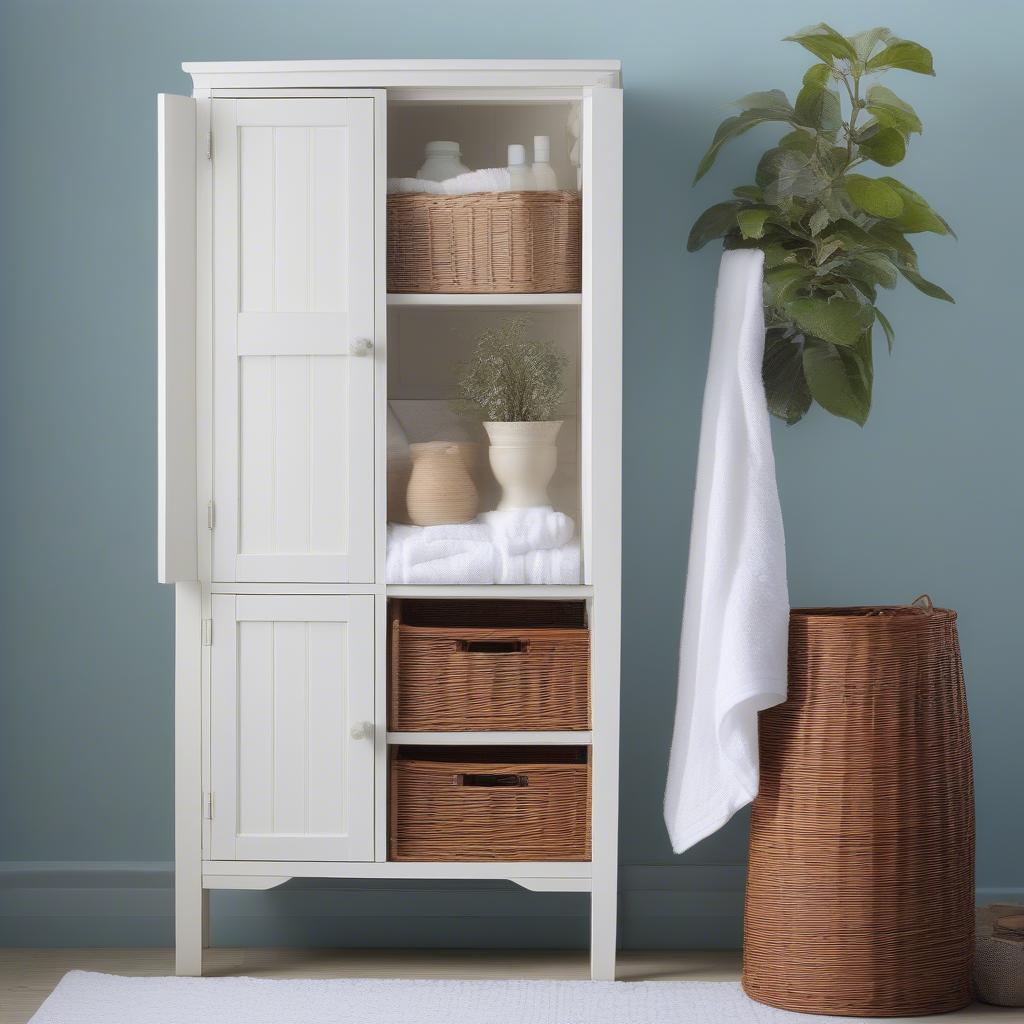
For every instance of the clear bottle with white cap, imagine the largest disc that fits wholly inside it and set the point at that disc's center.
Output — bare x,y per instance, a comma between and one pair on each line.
544,177
520,175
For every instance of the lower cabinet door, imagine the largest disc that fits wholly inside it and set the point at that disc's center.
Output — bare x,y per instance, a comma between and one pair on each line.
291,735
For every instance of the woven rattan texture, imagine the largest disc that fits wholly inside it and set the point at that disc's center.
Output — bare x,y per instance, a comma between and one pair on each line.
468,678
860,892
445,804
485,242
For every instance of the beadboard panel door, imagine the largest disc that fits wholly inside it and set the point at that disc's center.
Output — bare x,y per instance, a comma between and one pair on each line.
293,340
291,730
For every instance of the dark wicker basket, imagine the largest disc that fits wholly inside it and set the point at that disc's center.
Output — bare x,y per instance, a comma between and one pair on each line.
489,803
485,242
459,666
860,893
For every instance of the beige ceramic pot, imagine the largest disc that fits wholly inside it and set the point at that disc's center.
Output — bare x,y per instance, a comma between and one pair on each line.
440,487
523,458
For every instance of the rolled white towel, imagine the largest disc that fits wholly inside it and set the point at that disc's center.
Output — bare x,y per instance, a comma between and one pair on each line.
459,553
434,188
488,179
519,530
556,565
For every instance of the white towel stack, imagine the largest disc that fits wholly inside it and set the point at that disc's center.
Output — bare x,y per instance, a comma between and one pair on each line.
517,546
489,179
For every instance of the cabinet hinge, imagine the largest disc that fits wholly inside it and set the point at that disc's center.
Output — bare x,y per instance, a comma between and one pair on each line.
211,515
208,806
207,632
209,145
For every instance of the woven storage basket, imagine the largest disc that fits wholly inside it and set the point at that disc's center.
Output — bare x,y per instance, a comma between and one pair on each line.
485,242
860,890
488,666
999,955
480,803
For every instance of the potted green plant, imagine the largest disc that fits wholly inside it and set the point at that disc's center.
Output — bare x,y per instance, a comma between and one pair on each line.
515,382
832,234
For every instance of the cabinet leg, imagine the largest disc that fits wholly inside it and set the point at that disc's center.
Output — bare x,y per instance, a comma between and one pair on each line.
603,914
190,929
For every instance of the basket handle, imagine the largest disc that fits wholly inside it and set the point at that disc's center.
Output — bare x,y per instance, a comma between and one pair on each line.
492,646
481,780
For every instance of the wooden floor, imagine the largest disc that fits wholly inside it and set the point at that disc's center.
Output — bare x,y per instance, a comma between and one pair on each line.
28,975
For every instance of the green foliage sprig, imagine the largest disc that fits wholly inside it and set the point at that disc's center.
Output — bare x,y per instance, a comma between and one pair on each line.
832,236
512,377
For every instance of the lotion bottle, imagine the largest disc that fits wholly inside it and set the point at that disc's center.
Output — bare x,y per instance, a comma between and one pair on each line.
544,179
520,176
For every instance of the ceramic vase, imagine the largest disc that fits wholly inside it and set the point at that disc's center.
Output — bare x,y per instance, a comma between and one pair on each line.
523,458
440,488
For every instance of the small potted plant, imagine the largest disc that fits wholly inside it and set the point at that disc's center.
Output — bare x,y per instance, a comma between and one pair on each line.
515,382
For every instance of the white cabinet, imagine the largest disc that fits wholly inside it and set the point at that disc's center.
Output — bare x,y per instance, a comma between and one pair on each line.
293,295
274,367
291,728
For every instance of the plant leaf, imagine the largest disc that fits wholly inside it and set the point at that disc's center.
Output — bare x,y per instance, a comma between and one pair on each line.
916,215
800,140
818,107
902,53
751,221
731,128
926,286
819,220
781,284
873,268
837,380
751,192
839,321
890,334
824,42
874,195
787,173
772,99
818,74
777,255
884,145
892,112
714,222
785,385
865,42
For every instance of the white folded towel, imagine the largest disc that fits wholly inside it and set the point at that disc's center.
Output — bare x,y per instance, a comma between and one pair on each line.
487,550
488,179
735,621
519,530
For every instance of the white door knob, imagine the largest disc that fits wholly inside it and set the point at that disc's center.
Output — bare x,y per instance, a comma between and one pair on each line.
361,346
361,730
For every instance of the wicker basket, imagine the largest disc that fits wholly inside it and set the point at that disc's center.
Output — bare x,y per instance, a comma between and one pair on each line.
999,955
485,242
489,803
465,666
860,891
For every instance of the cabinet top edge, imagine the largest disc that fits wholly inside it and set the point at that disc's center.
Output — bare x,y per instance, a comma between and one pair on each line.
397,73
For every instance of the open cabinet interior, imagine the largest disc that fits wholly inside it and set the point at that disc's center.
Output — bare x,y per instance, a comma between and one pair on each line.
479,530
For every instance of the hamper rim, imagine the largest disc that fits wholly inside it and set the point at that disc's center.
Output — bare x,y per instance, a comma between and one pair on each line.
888,613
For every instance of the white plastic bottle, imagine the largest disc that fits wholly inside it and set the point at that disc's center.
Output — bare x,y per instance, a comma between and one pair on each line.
520,176
544,178
442,162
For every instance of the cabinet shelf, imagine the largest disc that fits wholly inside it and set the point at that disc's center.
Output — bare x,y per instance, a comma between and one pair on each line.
491,739
553,300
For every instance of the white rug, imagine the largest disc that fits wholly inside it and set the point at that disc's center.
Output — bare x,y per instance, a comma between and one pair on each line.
86,998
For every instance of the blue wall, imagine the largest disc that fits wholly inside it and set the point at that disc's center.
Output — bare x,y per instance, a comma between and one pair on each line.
928,497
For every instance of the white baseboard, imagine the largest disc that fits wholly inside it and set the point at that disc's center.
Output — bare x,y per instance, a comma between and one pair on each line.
672,906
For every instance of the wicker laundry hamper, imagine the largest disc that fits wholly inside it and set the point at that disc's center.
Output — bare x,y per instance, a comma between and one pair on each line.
860,892
999,955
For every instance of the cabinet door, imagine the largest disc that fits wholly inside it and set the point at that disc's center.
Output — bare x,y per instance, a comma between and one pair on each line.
291,738
293,311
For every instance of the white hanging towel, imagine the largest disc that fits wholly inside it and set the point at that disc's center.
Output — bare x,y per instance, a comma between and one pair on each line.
733,652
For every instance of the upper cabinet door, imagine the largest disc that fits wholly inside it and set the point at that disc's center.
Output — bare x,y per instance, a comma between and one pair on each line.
293,340
176,339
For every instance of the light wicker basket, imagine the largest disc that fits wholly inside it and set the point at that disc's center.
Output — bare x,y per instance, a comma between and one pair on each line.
489,803
489,242
467,666
860,887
